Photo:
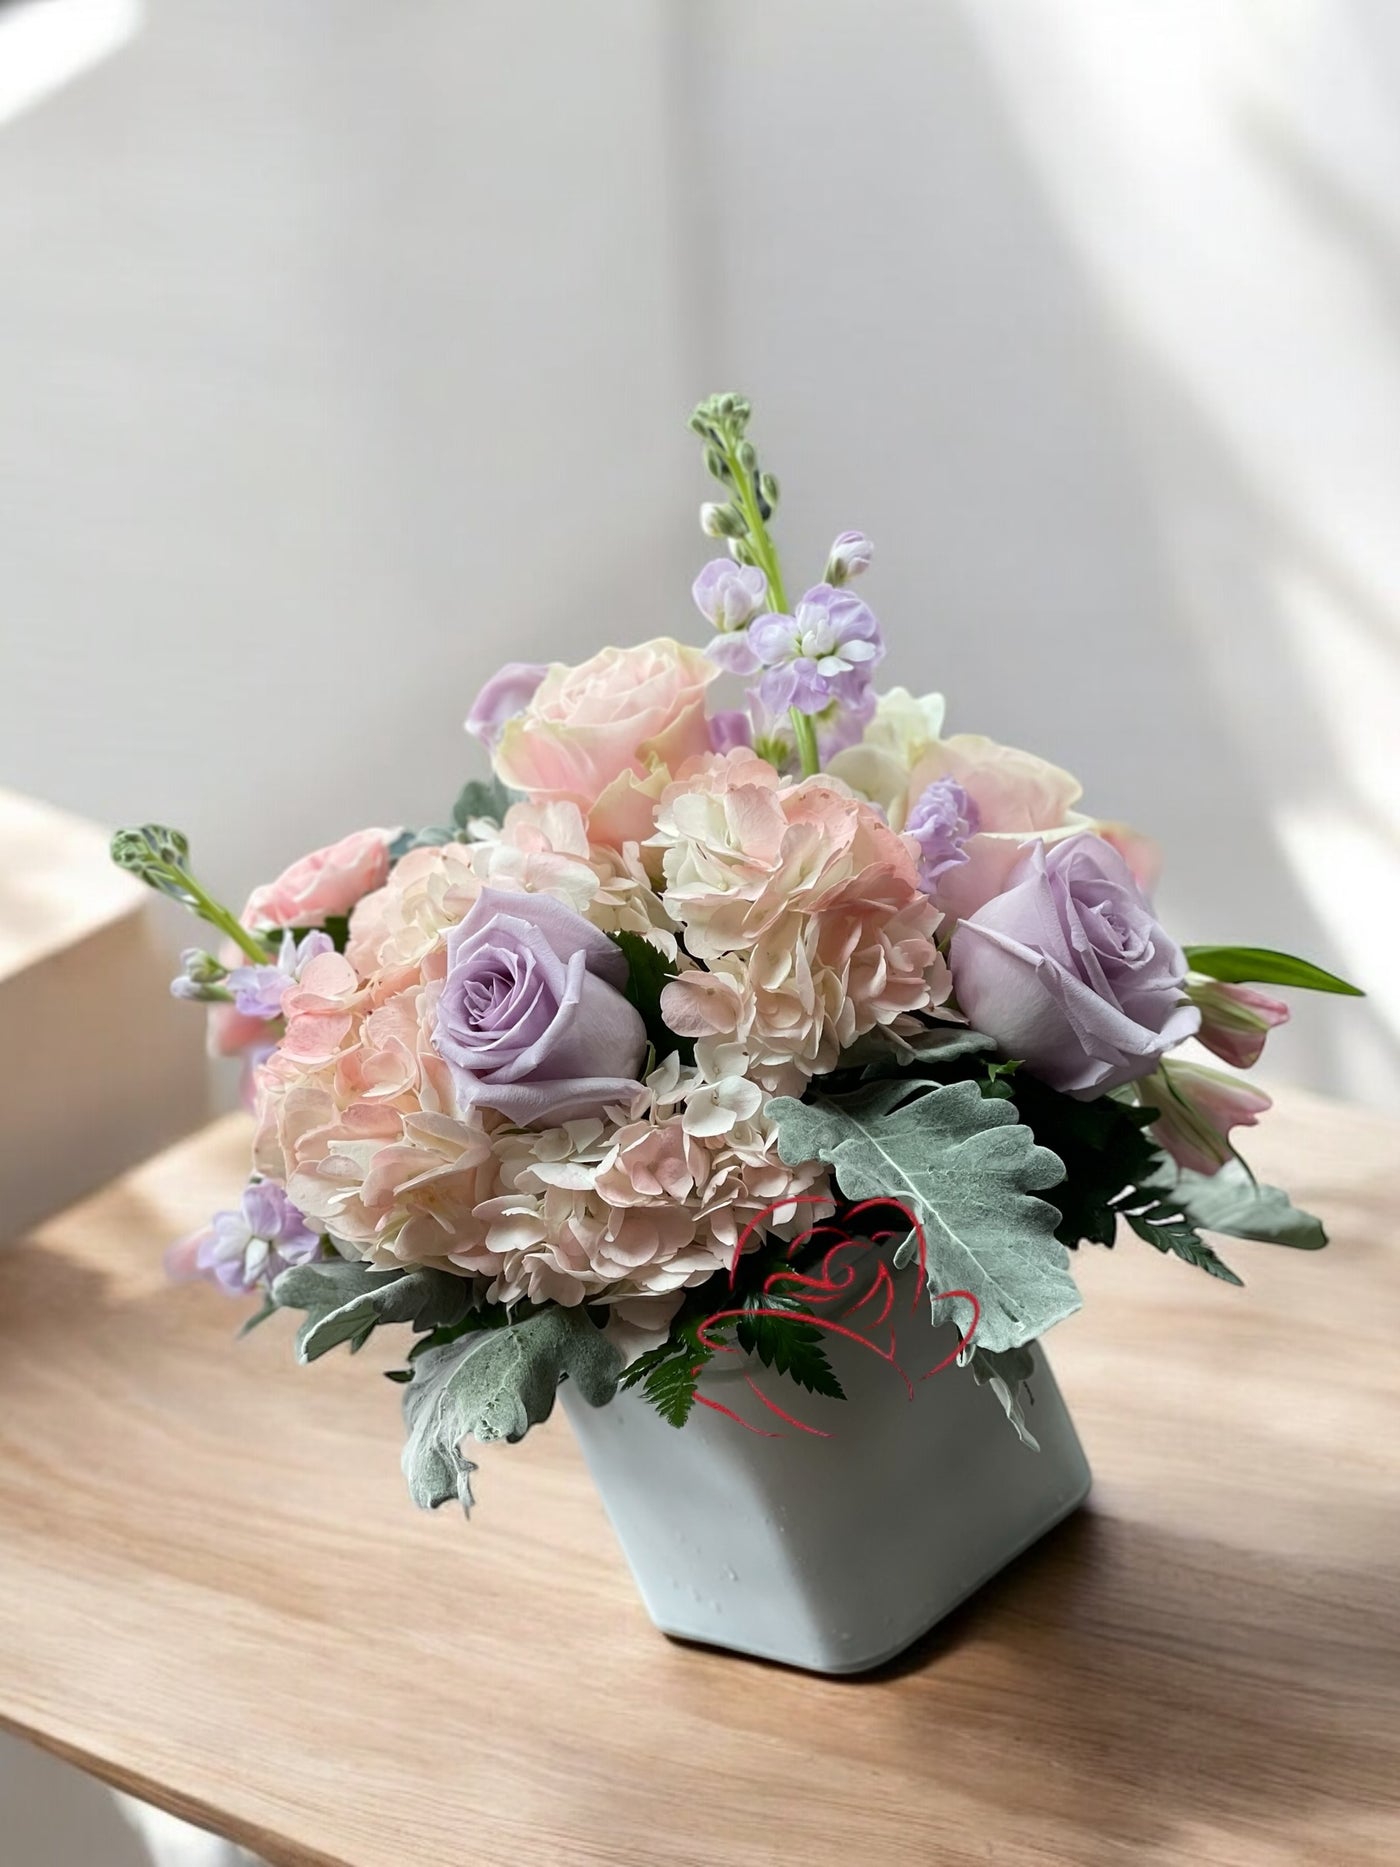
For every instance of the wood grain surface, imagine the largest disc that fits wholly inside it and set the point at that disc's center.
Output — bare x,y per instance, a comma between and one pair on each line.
214,1591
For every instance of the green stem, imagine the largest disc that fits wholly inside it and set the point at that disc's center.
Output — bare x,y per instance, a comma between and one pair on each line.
805,734
759,536
217,915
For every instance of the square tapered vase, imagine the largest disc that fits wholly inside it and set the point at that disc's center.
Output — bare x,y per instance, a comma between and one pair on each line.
829,1553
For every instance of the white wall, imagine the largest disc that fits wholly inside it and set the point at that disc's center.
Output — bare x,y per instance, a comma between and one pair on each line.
346,352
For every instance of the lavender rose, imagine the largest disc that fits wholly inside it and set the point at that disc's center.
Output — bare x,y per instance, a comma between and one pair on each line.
532,1019
1069,970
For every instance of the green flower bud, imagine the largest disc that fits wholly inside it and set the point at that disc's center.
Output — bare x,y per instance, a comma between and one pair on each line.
202,968
718,521
748,456
768,488
157,855
716,464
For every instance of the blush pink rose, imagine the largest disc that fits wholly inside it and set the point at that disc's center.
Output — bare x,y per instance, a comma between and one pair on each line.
1019,798
607,735
324,884
1013,790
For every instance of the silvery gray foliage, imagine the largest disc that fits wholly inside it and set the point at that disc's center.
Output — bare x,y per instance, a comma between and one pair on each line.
882,1049
970,1170
1006,1374
1231,1202
344,1300
433,837
496,1384
481,799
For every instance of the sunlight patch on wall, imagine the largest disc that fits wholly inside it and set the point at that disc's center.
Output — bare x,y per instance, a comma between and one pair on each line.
45,44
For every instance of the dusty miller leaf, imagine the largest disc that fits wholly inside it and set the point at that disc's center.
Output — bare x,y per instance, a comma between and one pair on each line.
346,1302
325,1286
481,797
496,1384
969,1169
1007,1374
1230,1202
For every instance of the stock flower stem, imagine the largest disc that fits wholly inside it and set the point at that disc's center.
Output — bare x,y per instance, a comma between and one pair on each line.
218,916
805,734
759,535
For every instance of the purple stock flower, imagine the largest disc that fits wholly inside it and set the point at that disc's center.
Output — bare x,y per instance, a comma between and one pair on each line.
730,730
822,653
729,595
941,820
533,1021
851,554
734,653
843,723
257,990
244,1250
508,692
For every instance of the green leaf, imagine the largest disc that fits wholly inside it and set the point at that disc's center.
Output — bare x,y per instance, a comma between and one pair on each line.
969,1169
433,836
496,1384
1104,1151
336,927
345,1301
648,972
668,1373
1231,1202
1165,1225
1007,1374
481,798
1261,965
786,1343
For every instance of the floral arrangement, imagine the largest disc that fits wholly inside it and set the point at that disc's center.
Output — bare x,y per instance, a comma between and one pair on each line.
558,1085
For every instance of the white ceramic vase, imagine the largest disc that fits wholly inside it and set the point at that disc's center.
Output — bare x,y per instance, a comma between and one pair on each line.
832,1554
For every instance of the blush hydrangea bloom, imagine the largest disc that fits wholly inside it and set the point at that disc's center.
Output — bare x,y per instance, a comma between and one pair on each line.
647,1200
805,908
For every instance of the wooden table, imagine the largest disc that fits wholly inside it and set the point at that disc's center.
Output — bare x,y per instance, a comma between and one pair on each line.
214,1591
